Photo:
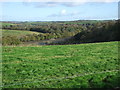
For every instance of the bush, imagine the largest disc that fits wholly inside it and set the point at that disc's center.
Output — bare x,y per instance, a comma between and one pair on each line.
10,40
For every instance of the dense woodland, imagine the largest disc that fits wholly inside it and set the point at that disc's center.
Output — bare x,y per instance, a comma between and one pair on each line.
80,31
101,32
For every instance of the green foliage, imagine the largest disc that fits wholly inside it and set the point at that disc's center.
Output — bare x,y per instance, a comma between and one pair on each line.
10,40
61,29
104,32
61,66
79,31
10,37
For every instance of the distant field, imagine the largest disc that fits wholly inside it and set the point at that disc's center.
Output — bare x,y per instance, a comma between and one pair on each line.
92,65
17,33
47,23
84,22
1,23
65,22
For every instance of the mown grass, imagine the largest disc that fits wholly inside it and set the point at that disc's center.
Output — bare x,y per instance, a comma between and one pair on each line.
61,66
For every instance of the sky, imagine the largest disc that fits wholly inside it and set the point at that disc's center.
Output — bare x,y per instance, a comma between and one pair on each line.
58,11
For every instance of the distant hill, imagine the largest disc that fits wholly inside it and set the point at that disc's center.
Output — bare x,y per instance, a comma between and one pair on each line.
101,32
105,32
81,31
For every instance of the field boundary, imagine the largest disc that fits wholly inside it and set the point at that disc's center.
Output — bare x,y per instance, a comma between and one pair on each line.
69,77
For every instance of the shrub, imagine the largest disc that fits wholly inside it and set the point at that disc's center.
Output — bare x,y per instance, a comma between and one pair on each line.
10,40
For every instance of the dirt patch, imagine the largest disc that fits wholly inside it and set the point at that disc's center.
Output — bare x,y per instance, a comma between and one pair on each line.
60,56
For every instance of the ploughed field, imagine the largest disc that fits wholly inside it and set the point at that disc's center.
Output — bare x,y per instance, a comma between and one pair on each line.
93,65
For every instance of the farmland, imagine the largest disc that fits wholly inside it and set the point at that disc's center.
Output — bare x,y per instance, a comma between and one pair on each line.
93,65
17,33
80,31
16,37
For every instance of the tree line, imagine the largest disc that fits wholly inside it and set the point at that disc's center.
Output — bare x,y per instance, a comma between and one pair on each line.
101,32
52,30
85,32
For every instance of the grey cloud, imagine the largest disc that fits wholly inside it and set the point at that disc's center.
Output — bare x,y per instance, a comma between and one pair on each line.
52,4
46,4
71,4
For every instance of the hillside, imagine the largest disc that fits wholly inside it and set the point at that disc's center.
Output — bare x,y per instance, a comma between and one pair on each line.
16,37
81,31
105,32
17,33
102,32
92,65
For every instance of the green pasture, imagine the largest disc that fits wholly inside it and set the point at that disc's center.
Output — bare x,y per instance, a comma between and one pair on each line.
18,33
93,65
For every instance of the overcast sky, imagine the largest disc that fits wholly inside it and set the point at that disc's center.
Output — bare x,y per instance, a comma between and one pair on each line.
58,11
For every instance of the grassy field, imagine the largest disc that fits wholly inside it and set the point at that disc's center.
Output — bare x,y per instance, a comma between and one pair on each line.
93,65
45,23
4,24
18,33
